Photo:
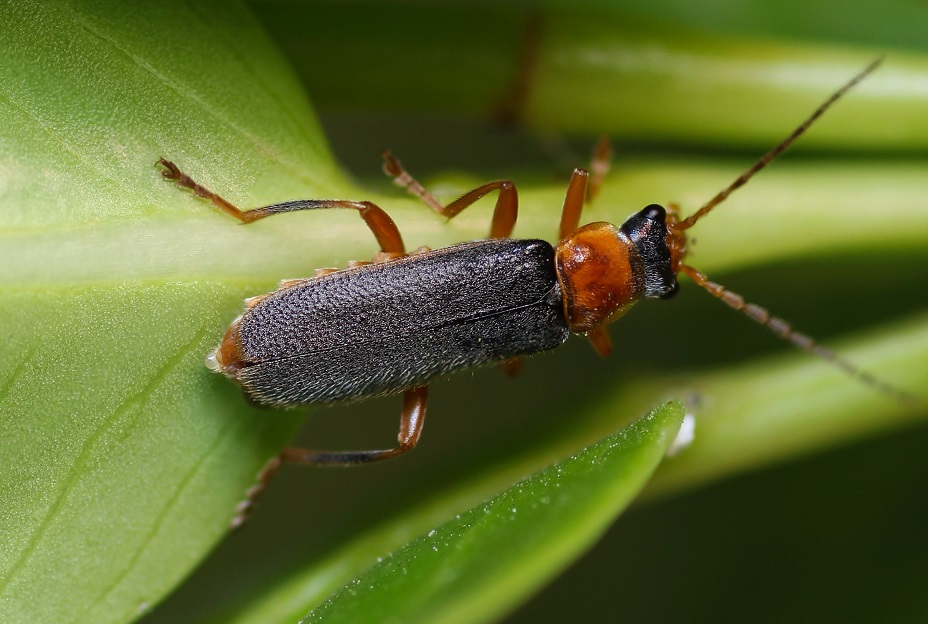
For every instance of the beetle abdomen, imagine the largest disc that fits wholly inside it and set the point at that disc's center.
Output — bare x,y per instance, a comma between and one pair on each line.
384,328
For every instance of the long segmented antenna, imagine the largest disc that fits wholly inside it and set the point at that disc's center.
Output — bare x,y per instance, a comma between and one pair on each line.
756,313
767,158
784,330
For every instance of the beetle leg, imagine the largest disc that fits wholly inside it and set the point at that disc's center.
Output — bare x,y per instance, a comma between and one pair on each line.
584,188
599,167
512,367
378,221
511,105
600,340
507,202
173,172
573,203
412,419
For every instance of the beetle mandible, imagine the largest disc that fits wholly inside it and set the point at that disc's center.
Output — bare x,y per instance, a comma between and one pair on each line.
393,325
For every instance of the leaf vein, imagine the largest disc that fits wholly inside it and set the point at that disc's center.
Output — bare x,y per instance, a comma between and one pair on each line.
78,468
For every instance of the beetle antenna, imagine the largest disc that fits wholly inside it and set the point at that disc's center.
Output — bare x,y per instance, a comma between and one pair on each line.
767,158
783,330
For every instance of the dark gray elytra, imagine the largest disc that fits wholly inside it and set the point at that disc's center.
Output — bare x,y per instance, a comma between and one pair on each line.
388,327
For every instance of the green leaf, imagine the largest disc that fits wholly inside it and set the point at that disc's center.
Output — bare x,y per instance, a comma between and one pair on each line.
123,458
484,561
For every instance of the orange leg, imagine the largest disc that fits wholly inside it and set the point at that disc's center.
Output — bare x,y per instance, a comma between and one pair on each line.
378,221
599,167
507,202
577,194
412,419
573,203
512,367
600,340
512,104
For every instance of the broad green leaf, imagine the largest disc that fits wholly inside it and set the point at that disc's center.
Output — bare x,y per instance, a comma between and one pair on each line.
122,457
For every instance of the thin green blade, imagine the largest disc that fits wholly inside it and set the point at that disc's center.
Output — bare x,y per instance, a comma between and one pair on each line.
488,559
